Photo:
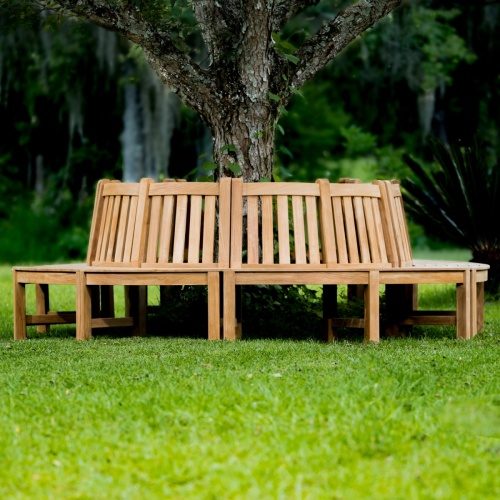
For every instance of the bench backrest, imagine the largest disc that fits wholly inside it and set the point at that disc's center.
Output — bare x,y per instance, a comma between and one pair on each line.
275,223
355,235
396,226
304,224
188,225
117,223
192,224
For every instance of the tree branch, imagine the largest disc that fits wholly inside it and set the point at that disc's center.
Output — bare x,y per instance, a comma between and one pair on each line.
320,49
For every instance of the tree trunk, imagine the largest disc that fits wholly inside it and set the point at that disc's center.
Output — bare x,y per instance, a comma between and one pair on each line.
244,143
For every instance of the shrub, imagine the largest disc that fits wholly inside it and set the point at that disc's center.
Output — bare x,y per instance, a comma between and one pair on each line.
459,200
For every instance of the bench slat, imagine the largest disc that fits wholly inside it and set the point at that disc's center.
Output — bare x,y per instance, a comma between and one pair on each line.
113,229
209,220
373,243
377,207
283,230
117,188
349,190
359,213
280,189
180,228
299,230
107,228
312,229
253,229
123,225
154,229
267,230
185,189
129,240
97,218
166,230
194,229
101,230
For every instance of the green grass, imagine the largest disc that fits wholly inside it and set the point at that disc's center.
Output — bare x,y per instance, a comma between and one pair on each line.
181,418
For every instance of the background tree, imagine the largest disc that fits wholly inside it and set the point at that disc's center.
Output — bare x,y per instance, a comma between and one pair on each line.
391,90
250,72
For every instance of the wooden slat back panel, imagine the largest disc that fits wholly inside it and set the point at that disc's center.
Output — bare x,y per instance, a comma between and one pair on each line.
189,224
402,222
356,234
395,225
118,223
275,224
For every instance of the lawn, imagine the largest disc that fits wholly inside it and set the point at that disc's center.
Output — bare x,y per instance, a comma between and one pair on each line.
183,418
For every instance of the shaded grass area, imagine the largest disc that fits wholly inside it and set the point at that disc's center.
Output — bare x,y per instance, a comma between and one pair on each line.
167,417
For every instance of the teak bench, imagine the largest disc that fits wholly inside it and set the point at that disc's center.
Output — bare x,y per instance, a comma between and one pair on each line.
187,233
408,273
117,220
184,241
304,233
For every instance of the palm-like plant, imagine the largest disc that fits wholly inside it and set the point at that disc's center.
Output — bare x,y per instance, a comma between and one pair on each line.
459,201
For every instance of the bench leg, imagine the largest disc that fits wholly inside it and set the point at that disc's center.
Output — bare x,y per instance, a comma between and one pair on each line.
83,308
19,309
463,308
42,304
229,313
329,311
480,306
136,307
372,308
473,303
477,304
213,306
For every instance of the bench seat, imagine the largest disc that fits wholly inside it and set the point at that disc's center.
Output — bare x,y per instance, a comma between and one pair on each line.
403,280
304,233
114,240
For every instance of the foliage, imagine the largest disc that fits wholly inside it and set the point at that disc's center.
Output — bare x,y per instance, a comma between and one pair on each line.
35,233
365,104
275,311
268,311
458,199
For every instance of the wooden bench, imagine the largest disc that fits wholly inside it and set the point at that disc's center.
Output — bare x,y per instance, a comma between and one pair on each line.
304,233
184,241
117,222
249,233
403,280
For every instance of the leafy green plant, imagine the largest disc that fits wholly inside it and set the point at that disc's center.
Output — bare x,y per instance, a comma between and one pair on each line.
275,311
459,200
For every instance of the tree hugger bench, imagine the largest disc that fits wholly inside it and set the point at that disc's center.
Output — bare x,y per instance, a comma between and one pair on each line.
143,234
309,234
238,234
184,241
114,240
402,281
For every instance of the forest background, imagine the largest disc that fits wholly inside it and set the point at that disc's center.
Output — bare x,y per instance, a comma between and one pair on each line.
78,103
